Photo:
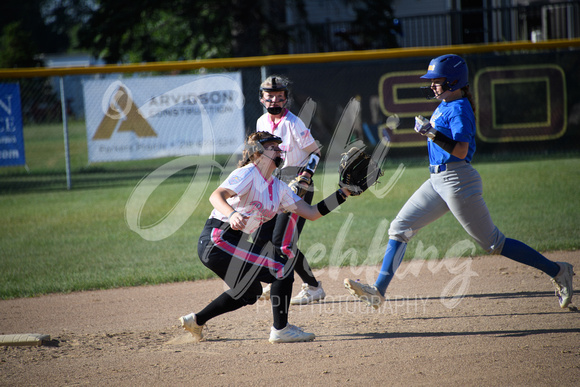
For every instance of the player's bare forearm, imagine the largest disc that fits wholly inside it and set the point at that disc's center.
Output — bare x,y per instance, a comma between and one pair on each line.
218,200
460,150
313,148
456,148
307,211
312,212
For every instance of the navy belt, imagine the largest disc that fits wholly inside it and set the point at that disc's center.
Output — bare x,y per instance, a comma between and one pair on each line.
445,167
437,168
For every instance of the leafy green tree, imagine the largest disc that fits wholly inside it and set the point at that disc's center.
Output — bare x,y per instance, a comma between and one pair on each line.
31,28
153,30
170,30
16,47
375,26
63,18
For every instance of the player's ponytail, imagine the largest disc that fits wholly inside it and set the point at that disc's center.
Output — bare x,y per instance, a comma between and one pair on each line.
250,149
467,94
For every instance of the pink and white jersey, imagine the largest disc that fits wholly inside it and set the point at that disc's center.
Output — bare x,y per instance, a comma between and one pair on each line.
256,197
294,134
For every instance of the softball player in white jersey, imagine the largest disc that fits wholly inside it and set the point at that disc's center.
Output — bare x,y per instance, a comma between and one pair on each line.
249,197
301,159
454,185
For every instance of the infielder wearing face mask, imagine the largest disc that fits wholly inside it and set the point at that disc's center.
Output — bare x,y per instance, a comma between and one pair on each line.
301,159
249,197
259,146
274,94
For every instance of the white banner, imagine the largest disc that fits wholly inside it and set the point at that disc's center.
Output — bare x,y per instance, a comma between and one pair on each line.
145,118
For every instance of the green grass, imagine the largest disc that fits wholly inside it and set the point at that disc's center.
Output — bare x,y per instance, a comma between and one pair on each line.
62,241
535,202
65,241
45,167
54,240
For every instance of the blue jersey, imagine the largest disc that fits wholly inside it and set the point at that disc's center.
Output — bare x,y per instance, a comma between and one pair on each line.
456,120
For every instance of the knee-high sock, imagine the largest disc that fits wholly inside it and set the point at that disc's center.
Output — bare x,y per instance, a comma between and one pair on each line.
280,298
302,268
224,303
522,253
391,261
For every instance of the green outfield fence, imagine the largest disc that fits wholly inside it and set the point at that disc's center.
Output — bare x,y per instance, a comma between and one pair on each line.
63,128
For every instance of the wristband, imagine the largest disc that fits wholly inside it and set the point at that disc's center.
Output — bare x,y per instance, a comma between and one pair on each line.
230,215
331,203
312,163
444,142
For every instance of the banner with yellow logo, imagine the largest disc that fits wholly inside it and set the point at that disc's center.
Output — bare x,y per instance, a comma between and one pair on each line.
152,117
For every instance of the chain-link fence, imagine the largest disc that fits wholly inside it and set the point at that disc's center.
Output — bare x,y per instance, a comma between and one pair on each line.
119,125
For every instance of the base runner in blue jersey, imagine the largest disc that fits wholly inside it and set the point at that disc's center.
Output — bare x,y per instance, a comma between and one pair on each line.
454,185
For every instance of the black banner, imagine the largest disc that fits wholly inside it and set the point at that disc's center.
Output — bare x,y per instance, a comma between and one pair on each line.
525,101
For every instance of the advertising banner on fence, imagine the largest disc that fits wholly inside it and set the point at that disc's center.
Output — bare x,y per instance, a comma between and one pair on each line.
11,136
152,117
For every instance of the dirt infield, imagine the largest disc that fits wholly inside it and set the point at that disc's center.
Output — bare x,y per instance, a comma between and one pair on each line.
475,321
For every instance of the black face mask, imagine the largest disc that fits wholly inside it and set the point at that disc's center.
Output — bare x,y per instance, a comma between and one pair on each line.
275,110
277,161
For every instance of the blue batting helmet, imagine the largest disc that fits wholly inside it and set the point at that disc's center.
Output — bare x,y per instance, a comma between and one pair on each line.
451,67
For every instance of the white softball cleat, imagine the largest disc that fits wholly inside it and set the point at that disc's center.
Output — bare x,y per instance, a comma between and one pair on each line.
367,293
189,323
308,294
290,334
563,284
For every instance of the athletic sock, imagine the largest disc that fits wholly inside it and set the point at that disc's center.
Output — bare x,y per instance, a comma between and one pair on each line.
280,298
302,268
224,303
391,261
522,253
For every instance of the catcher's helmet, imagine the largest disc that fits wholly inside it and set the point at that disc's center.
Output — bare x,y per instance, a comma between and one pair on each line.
275,83
451,67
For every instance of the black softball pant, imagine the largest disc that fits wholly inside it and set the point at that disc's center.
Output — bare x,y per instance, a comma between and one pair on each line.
285,229
243,265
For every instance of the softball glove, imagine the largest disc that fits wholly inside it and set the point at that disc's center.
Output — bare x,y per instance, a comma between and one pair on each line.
358,171
300,185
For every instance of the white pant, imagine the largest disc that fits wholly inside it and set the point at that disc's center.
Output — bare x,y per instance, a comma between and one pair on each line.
459,190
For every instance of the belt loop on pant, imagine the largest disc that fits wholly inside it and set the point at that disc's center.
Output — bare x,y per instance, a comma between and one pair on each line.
214,223
437,168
